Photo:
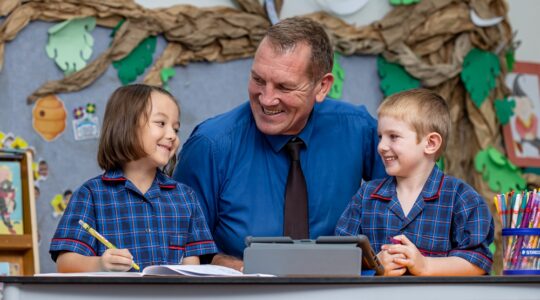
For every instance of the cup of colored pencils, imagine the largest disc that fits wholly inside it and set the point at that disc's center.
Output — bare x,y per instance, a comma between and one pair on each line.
520,218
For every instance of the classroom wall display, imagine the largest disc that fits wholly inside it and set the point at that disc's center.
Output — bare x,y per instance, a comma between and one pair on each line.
11,205
429,39
522,133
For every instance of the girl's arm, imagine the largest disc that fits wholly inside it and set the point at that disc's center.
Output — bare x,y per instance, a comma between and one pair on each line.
117,260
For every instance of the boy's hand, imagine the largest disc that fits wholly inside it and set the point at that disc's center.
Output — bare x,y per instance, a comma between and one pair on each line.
390,267
116,260
416,263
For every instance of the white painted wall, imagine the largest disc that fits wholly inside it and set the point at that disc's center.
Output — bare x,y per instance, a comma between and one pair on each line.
523,16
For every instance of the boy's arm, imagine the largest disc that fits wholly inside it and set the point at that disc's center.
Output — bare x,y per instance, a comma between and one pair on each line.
114,260
421,265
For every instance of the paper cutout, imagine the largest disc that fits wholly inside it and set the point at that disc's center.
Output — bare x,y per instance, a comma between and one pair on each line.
484,22
136,61
403,2
166,74
59,203
85,123
480,68
440,163
70,43
510,59
49,117
394,78
336,92
504,109
342,7
501,175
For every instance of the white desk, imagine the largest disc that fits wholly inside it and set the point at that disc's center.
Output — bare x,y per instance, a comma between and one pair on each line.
305,288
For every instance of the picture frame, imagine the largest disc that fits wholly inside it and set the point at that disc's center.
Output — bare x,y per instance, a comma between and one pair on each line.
18,230
522,133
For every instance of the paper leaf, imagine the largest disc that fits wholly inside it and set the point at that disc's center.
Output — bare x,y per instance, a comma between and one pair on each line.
504,109
480,68
501,175
136,61
394,78
70,43
166,74
403,2
440,163
336,92
510,59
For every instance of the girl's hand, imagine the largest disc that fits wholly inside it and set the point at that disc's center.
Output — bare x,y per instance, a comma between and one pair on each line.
116,260
411,258
390,267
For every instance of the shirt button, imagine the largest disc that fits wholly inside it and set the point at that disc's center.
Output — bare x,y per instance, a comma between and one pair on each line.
148,230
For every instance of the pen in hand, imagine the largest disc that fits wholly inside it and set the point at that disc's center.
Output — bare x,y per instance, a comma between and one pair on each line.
102,239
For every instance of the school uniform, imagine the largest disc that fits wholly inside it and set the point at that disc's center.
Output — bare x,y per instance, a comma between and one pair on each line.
449,218
158,227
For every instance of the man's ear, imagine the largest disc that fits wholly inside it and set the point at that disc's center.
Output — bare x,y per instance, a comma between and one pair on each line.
325,85
433,143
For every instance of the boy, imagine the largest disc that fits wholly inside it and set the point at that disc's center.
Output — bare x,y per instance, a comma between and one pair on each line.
421,220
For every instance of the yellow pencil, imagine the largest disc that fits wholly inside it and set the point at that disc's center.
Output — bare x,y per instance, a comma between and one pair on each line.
102,239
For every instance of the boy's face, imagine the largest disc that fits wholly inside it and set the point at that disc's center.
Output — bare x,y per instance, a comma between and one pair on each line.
399,148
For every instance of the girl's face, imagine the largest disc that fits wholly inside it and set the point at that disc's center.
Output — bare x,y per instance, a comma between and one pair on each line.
159,135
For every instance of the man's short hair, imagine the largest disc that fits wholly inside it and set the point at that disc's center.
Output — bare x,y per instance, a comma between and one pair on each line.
119,141
424,110
288,33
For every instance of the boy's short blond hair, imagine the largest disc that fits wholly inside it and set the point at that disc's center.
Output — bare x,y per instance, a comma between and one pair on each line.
424,110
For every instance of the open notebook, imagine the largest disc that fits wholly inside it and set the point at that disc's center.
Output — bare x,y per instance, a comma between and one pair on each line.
165,270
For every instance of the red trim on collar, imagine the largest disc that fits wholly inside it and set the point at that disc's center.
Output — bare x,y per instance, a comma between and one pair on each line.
373,195
438,191
112,179
167,186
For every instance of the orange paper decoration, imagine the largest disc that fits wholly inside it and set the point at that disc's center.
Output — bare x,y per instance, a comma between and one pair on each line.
49,117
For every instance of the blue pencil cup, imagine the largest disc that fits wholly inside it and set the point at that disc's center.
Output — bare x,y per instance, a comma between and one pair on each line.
521,248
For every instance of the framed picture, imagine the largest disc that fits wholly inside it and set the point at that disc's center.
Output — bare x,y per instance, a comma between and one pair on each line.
522,133
11,195
18,232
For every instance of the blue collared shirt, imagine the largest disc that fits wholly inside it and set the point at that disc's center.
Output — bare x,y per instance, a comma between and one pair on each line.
449,218
239,173
159,227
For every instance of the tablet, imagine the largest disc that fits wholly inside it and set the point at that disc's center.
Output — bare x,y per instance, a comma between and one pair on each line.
369,257
327,255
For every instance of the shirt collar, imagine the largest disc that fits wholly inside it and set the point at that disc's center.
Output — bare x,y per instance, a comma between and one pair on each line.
278,141
431,191
117,176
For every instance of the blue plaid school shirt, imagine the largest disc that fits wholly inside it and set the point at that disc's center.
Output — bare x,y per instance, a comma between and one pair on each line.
449,218
159,227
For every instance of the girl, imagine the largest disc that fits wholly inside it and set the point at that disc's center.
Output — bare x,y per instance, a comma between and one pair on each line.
149,217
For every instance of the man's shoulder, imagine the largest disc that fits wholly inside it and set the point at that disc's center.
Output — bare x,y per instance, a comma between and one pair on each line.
236,119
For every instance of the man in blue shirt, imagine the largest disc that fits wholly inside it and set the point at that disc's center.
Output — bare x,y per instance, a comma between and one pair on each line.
237,164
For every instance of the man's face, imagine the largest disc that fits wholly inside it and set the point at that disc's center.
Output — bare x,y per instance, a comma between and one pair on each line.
280,91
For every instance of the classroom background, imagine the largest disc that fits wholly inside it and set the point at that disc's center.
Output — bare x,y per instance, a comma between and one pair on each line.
43,51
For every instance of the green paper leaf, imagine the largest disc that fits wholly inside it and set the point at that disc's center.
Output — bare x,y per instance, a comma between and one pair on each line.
403,2
394,78
440,163
70,43
510,59
136,61
501,175
166,74
480,68
504,109
336,92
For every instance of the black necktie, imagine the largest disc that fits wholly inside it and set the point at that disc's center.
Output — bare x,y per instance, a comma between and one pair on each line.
295,224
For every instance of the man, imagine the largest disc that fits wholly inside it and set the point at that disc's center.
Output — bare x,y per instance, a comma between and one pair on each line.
237,162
